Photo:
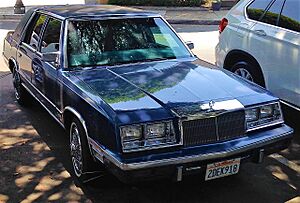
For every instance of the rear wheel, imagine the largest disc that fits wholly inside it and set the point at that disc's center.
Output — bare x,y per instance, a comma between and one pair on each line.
249,71
21,94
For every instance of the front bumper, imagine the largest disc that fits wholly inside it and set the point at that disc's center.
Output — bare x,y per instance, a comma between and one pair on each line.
271,140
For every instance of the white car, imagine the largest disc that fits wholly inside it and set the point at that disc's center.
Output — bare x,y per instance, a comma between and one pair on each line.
260,41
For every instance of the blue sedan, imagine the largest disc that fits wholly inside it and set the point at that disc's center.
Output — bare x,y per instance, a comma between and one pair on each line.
133,97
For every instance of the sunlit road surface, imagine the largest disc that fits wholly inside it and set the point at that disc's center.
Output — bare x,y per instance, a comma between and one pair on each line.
205,43
35,166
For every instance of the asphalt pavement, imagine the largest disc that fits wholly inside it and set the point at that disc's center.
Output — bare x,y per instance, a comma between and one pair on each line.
35,165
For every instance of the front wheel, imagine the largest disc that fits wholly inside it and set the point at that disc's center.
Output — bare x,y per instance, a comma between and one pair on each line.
81,158
249,71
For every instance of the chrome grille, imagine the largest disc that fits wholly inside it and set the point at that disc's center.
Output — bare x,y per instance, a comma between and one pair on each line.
223,127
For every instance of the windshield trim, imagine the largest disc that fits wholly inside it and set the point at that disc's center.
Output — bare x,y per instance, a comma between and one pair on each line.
128,16
128,64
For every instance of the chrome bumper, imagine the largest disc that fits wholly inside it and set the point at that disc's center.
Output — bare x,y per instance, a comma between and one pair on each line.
256,141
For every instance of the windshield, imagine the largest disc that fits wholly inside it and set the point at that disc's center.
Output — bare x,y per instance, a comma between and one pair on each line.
120,41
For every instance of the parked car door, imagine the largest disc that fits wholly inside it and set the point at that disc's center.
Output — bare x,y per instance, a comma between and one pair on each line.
289,72
45,74
28,47
276,47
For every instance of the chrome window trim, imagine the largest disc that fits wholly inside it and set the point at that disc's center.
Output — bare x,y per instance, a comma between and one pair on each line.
254,21
180,143
277,122
50,14
102,153
65,43
28,47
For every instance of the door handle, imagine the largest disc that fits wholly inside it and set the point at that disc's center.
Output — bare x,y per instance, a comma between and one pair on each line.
19,54
260,32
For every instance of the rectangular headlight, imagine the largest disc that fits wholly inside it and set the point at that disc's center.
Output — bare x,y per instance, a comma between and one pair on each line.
262,116
147,136
252,115
266,111
130,133
155,130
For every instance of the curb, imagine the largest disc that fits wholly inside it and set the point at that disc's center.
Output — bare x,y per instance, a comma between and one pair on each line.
171,8
15,17
194,22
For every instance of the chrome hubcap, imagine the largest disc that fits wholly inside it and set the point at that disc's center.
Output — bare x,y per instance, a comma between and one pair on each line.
244,73
76,150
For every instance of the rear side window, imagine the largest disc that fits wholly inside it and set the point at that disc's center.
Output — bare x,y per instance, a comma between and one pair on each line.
290,16
50,40
256,9
33,31
272,15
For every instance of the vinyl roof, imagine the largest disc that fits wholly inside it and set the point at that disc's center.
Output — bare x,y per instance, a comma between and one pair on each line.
66,11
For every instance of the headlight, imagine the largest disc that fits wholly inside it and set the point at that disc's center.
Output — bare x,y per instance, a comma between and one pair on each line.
131,133
261,116
266,111
252,115
147,136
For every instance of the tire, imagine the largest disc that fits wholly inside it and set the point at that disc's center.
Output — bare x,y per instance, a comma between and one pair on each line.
21,94
249,71
81,158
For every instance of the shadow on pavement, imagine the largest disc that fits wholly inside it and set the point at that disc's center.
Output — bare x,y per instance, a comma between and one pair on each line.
34,171
30,171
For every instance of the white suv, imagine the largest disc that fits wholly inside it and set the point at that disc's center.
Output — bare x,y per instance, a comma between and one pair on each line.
260,41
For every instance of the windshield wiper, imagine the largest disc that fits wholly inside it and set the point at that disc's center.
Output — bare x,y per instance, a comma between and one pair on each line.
141,61
156,59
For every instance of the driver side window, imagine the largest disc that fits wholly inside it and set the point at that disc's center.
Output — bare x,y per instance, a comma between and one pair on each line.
51,37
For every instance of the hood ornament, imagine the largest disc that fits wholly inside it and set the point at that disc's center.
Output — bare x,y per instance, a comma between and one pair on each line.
211,105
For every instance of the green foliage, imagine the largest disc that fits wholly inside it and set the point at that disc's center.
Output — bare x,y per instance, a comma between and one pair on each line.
156,2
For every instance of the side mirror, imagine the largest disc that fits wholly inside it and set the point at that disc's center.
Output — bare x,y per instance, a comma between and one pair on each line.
190,45
51,57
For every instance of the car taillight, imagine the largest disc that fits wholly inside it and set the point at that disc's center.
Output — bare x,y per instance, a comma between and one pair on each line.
222,25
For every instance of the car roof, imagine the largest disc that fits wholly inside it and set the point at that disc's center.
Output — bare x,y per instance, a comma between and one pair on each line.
73,11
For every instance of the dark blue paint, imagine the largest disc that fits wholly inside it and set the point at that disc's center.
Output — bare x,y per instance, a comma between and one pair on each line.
110,97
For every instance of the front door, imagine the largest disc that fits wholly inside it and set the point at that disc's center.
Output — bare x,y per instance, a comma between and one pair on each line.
45,74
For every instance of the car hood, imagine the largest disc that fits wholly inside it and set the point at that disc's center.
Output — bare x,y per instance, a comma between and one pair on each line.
168,85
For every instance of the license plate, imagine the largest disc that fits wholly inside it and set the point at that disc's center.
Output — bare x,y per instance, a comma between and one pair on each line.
222,169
